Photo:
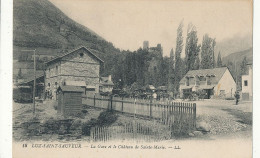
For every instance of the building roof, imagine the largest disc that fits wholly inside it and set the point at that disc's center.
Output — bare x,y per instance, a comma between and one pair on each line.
72,51
216,72
30,78
106,82
75,83
151,87
206,86
90,87
70,89
162,88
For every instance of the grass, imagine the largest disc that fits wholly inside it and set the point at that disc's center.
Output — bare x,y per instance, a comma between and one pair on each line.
243,117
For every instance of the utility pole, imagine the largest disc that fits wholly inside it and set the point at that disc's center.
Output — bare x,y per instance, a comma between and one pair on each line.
34,74
134,124
236,70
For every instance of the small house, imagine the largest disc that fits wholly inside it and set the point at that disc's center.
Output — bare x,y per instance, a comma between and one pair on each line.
216,82
150,89
69,100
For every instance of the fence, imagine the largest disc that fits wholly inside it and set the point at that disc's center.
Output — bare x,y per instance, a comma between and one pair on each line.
130,131
179,116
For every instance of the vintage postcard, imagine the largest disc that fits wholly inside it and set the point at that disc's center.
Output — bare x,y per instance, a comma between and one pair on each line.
161,78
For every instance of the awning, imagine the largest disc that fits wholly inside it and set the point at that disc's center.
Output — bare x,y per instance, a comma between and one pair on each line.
22,86
75,83
206,87
186,87
90,87
108,83
70,89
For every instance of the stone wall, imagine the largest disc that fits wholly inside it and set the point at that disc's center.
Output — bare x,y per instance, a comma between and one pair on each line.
77,66
79,69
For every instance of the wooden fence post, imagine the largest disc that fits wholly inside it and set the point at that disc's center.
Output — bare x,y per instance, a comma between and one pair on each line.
122,109
111,100
150,108
194,114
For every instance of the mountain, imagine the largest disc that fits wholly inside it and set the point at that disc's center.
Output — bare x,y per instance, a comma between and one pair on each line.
235,44
239,56
39,24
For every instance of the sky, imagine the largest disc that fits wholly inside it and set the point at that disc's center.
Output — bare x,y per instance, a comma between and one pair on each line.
128,23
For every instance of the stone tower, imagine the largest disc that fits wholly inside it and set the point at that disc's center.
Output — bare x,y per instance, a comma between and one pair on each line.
145,45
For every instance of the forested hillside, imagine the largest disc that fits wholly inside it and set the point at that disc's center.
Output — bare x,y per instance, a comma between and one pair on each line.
39,25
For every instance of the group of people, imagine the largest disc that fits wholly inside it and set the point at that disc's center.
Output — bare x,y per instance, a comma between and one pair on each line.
48,94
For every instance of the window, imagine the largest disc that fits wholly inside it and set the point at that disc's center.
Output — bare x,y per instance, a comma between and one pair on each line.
81,54
202,78
208,81
49,84
245,83
187,81
56,84
222,93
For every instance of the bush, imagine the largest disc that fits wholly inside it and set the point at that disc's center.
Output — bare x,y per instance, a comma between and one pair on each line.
76,115
76,124
87,126
51,126
84,111
107,118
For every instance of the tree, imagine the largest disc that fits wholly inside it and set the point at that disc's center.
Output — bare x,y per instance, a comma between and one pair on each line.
192,48
212,52
197,63
243,67
171,72
219,61
207,52
178,60
231,67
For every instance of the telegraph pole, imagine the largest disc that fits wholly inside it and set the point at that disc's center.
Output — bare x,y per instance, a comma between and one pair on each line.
34,74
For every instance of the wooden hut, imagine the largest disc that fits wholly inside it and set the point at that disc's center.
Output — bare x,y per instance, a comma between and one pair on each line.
69,100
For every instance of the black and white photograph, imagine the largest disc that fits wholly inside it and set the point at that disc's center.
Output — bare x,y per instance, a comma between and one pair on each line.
157,78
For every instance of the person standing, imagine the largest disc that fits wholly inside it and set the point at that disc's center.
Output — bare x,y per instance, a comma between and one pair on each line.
154,96
237,97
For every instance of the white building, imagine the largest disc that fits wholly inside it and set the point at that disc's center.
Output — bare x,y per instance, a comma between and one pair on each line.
217,82
247,84
106,84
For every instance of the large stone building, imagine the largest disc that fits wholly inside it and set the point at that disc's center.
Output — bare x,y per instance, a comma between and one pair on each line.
79,67
247,84
216,82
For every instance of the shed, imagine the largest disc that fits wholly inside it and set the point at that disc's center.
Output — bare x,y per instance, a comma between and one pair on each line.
69,100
